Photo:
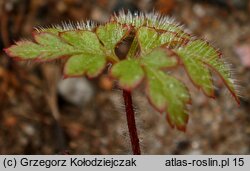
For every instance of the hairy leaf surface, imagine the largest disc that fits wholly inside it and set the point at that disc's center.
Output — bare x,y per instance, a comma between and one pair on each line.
168,95
157,44
198,57
83,47
82,64
158,59
110,34
150,38
128,72
85,42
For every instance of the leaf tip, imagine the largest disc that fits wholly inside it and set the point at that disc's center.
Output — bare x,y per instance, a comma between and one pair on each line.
8,51
236,99
169,121
234,92
5,50
181,127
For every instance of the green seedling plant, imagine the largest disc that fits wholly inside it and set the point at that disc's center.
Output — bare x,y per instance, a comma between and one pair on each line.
157,44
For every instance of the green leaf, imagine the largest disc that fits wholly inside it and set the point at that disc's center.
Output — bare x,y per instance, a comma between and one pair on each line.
168,94
91,59
24,50
212,58
150,38
198,56
111,34
48,47
167,25
82,64
196,69
147,38
85,42
128,72
157,41
54,47
199,74
158,59
165,92
220,68
87,56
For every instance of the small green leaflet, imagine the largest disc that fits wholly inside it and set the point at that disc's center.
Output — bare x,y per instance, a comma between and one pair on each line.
159,59
198,57
149,39
82,64
84,42
25,50
128,72
48,47
90,58
111,34
169,95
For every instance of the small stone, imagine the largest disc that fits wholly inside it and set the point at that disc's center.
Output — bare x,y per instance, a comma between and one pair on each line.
77,91
199,10
29,130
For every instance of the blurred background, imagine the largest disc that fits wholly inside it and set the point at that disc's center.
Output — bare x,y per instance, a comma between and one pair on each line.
40,113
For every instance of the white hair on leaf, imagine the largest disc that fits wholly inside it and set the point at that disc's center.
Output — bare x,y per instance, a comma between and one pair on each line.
162,24
69,26
138,19
151,19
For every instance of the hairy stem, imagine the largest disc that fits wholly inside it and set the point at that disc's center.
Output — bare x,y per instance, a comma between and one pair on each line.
131,122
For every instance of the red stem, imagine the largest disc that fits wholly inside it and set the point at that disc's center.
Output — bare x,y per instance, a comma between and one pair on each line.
131,122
